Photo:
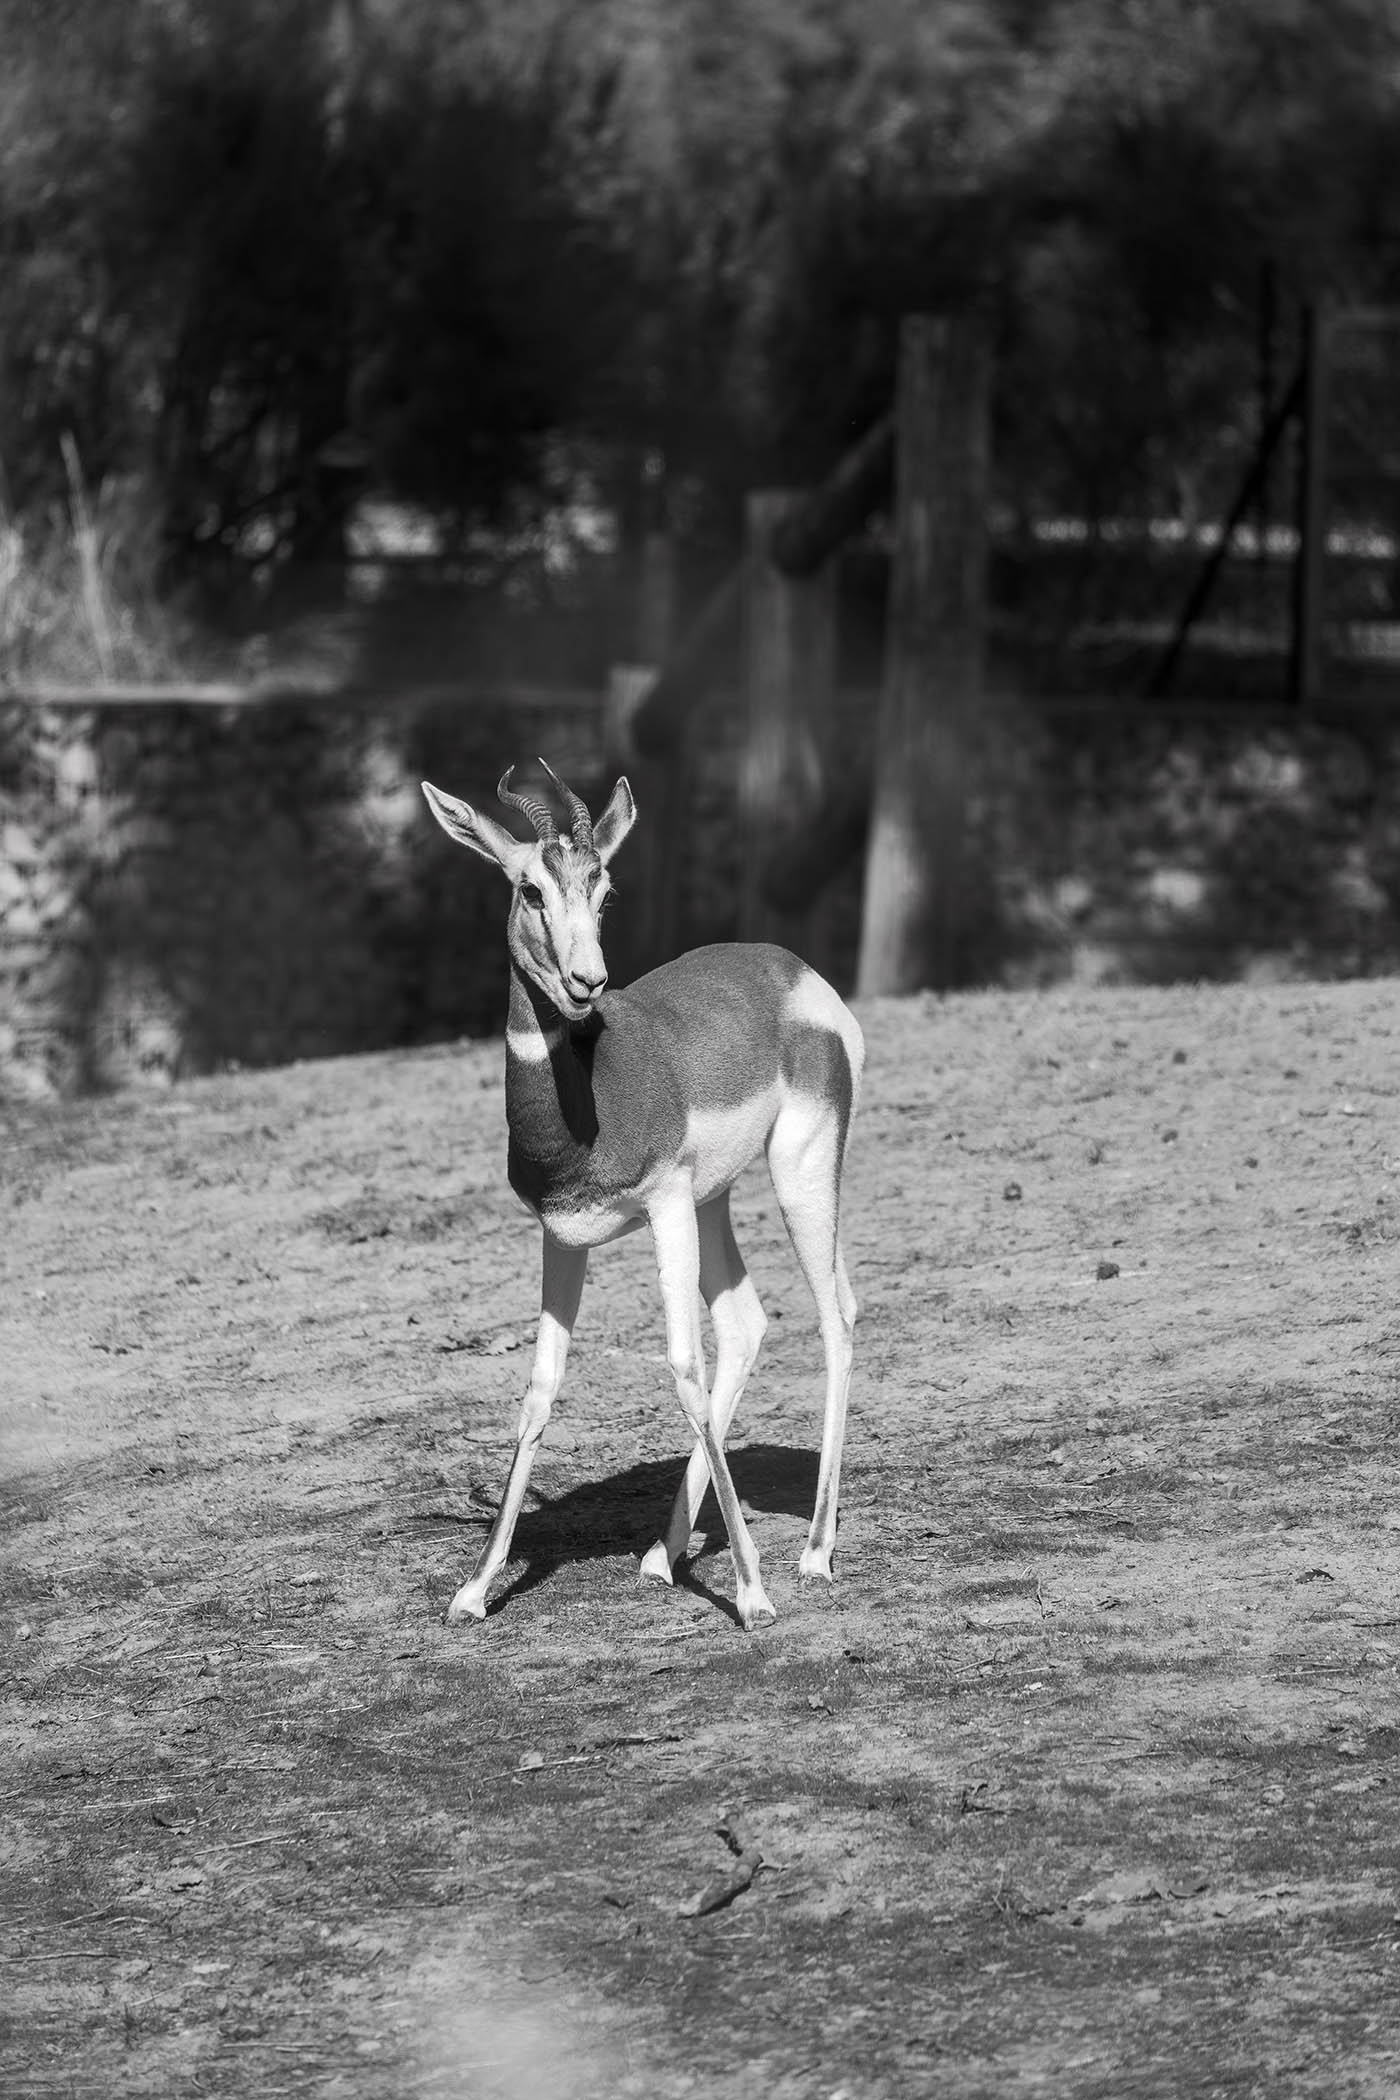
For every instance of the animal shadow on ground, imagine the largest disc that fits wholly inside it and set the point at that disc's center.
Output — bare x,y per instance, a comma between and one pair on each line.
602,1518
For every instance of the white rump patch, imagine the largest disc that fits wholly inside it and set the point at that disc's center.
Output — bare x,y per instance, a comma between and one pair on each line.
812,1000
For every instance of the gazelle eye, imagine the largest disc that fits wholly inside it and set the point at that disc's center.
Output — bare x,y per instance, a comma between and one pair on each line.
533,897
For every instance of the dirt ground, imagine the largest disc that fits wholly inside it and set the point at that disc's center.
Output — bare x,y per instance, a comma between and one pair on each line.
1082,1780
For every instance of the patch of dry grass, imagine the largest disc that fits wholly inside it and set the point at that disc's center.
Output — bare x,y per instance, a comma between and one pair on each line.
78,603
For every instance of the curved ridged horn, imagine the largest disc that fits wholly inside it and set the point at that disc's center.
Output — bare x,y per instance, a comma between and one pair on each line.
580,823
540,816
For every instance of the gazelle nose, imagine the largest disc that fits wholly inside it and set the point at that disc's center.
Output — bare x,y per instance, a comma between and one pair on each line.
584,985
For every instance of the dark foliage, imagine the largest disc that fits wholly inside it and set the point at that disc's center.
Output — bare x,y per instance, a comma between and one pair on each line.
262,256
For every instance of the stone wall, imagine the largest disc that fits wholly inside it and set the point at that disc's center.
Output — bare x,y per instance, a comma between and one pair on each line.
184,888
1136,846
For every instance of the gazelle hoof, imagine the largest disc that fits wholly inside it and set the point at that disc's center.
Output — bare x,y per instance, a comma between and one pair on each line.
465,1605
753,1608
815,1564
656,1564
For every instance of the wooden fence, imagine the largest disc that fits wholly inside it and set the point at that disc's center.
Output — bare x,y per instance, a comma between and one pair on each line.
810,797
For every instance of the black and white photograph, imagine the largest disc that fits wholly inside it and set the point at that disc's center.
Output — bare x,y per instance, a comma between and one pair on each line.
700,1049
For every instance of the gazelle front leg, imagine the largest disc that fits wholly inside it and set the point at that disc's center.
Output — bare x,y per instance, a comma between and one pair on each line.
562,1287
739,1326
675,1231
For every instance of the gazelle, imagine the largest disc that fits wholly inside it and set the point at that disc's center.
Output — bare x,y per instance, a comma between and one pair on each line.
643,1106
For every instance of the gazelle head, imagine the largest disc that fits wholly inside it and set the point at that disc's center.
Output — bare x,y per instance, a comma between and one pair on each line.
560,883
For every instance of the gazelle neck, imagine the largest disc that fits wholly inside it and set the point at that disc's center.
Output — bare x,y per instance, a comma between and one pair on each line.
535,1029
549,1086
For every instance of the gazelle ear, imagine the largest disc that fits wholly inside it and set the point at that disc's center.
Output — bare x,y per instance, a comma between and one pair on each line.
486,837
615,823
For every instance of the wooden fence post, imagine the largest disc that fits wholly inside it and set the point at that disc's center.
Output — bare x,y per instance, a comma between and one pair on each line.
789,643
647,928
913,908
656,597
1306,667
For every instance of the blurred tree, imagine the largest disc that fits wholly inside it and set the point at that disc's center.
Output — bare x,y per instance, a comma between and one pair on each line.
245,271
487,236
492,308
1105,177
71,357
800,175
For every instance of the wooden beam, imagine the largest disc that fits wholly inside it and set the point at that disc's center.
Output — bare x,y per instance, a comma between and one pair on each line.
646,926
914,900
470,692
790,705
813,527
42,693
805,534
1306,670
1250,490
823,848
689,671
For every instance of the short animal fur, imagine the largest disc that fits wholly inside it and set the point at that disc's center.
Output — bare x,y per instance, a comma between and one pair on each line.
643,1106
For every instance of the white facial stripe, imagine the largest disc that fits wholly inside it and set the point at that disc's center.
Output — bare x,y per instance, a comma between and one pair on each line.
538,878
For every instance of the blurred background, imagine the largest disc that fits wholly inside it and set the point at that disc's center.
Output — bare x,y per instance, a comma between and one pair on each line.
946,451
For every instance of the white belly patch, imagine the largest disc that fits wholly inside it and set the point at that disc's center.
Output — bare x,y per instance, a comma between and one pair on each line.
592,1224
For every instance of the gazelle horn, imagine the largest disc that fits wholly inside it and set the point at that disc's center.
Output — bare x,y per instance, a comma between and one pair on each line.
540,816
580,823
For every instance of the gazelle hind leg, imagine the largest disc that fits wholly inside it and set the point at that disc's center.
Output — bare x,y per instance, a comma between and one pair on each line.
562,1287
804,1159
739,1324
676,1233
821,1539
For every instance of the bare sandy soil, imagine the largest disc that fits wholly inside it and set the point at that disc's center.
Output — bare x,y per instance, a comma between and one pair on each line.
1082,1780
